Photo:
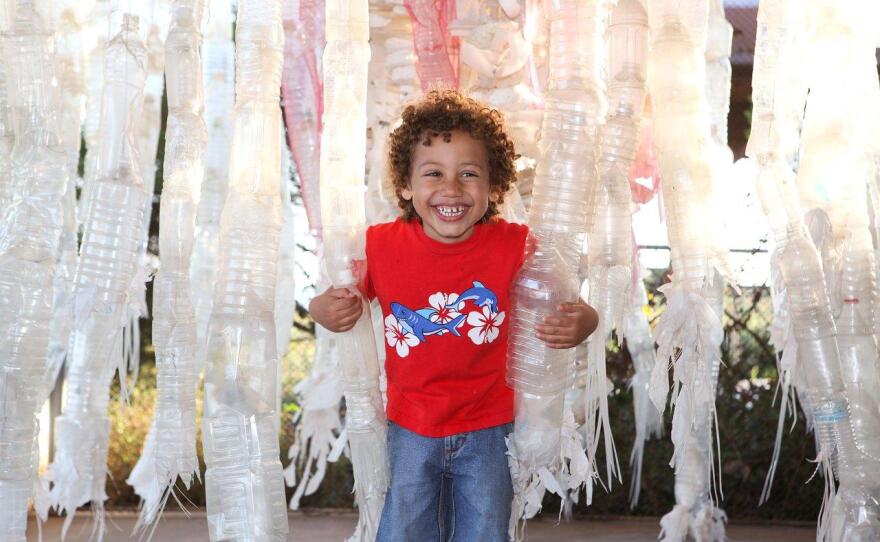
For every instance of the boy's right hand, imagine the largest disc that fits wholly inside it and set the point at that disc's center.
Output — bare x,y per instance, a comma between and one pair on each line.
337,309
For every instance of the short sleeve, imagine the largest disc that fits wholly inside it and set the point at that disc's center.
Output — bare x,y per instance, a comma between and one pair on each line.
365,282
525,242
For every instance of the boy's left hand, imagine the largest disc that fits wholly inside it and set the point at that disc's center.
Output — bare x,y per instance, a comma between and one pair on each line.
571,326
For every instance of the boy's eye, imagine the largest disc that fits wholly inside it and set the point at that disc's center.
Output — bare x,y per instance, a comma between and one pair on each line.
432,173
469,174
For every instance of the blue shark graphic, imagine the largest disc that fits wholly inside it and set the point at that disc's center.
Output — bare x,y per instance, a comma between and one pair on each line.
480,295
418,324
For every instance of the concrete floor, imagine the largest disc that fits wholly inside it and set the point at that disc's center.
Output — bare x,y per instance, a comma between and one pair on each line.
336,526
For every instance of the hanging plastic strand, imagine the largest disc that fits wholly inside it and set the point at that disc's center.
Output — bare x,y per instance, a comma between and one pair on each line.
243,481
106,283
689,333
848,259
32,222
170,452
147,131
773,142
98,25
219,80
610,237
302,93
545,450
343,149
778,96
318,424
71,79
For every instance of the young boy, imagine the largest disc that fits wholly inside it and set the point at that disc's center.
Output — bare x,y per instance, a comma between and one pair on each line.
442,274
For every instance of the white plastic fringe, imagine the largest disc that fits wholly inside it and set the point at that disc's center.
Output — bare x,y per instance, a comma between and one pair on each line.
530,487
648,421
318,424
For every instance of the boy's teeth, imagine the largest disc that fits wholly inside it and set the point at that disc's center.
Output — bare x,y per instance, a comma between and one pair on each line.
450,211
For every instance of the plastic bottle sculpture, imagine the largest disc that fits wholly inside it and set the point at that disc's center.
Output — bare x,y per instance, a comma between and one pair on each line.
610,238
219,80
640,344
32,223
437,63
318,423
497,46
343,215
243,481
106,283
392,82
779,95
496,55
7,139
545,445
691,324
302,93
834,141
71,82
97,26
773,140
147,140
285,298
170,451
719,42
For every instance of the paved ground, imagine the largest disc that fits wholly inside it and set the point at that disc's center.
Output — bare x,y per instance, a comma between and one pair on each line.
335,527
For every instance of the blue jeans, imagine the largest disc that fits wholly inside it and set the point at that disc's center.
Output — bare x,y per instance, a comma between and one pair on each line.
454,488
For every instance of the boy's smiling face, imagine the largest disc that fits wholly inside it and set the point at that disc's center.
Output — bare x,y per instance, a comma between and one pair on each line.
449,185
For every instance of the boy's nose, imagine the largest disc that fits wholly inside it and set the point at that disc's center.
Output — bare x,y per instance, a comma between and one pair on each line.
452,186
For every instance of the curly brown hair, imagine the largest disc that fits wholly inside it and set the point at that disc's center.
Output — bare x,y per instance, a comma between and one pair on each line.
439,113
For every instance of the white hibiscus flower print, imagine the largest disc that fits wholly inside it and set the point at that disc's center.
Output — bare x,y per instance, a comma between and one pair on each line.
486,325
444,308
398,337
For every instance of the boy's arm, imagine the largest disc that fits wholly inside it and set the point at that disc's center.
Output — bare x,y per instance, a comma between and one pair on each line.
570,327
337,309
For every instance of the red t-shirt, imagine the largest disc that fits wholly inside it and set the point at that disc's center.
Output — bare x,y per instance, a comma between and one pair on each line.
446,311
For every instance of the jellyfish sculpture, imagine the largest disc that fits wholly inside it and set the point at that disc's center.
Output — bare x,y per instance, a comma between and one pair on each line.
243,480
218,78
170,450
34,183
689,332
107,283
343,218
546,452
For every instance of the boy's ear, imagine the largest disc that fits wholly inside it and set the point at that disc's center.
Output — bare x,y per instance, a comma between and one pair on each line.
406,193
494,195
